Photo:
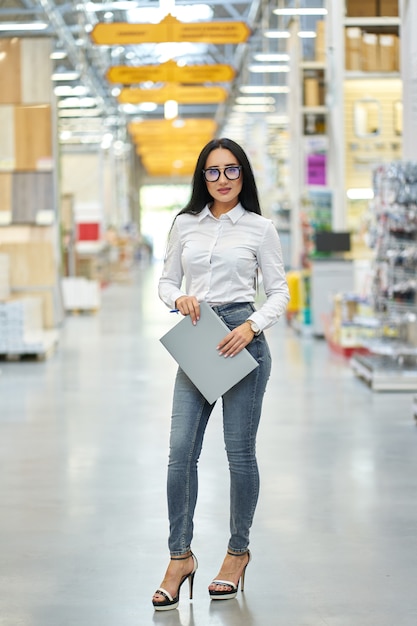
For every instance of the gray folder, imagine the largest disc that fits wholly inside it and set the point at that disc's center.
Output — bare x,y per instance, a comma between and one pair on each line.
194,349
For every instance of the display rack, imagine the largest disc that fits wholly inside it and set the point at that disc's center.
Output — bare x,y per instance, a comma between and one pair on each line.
393,364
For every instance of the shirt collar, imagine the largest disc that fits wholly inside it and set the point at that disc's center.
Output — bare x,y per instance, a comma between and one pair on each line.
234,214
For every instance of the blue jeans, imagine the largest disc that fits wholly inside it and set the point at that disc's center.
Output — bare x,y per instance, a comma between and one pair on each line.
242,406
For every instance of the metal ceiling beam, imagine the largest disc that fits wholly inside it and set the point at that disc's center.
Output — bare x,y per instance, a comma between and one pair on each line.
87,70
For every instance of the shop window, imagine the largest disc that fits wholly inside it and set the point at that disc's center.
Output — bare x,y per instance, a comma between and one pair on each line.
367,117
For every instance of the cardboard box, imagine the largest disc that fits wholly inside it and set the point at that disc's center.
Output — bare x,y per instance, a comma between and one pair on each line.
361,8
26,76
10,85
5,191
388,8
370,52
33,137
311,92
320,43
397,53
32,264
387,53
353,49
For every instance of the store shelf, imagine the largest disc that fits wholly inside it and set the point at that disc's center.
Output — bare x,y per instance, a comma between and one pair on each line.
372,21
392,366
358,75
386,373
317,110
392,348
312,65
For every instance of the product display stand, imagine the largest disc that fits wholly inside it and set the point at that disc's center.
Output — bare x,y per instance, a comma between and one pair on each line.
393,362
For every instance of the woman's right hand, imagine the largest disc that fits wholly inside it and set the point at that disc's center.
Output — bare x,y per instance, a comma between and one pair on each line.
189,305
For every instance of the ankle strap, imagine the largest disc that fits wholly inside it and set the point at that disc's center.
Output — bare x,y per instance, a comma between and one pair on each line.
237,553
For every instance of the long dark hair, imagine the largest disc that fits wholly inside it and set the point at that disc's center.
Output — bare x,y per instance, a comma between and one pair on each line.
200,196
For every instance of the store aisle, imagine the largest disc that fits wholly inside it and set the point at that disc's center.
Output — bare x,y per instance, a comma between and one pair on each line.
83,448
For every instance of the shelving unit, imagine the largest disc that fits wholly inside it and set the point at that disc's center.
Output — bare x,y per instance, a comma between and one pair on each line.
348,82
308,130
29,214
393,363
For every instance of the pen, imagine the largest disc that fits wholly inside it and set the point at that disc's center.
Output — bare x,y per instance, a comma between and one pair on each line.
174,311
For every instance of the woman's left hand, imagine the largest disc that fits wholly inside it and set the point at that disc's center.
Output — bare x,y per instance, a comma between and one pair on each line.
236,340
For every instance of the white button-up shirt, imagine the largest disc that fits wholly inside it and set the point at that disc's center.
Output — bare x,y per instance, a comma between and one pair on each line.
219,259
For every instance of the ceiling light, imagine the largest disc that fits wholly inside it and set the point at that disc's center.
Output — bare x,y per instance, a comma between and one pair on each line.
185,13
130,109
170,109
117,51
73,103
271,58
148,107
80,113
65,134
66,90
277,34
57,55
264,89
107,141
15,26
307,34
253,108
123,5
260,69
255,100
65,75
316,11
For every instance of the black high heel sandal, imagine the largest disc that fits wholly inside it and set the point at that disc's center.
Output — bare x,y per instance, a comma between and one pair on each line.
233,589
171,603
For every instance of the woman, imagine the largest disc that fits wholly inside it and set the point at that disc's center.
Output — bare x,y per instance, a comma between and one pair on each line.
217,243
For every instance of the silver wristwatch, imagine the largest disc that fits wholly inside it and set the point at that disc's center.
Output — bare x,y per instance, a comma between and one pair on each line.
255,327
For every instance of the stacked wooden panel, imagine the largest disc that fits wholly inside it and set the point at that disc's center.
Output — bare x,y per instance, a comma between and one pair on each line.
33,272
26,152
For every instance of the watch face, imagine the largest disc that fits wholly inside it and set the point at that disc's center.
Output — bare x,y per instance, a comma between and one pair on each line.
255,328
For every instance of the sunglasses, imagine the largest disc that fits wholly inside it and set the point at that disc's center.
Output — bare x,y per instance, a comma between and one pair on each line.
212,174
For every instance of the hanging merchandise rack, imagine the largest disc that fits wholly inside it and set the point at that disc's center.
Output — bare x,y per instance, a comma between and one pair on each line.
392,364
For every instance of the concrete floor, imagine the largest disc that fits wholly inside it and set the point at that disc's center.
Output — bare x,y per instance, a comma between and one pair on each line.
83,449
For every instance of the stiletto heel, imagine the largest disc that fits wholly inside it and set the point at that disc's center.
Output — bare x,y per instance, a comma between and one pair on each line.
170,603
233,589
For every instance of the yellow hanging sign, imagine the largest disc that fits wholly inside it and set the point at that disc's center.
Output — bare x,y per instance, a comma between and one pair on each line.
149,129
170,30
182,95
170,72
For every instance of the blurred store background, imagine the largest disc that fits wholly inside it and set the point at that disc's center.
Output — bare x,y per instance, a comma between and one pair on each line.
104,107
